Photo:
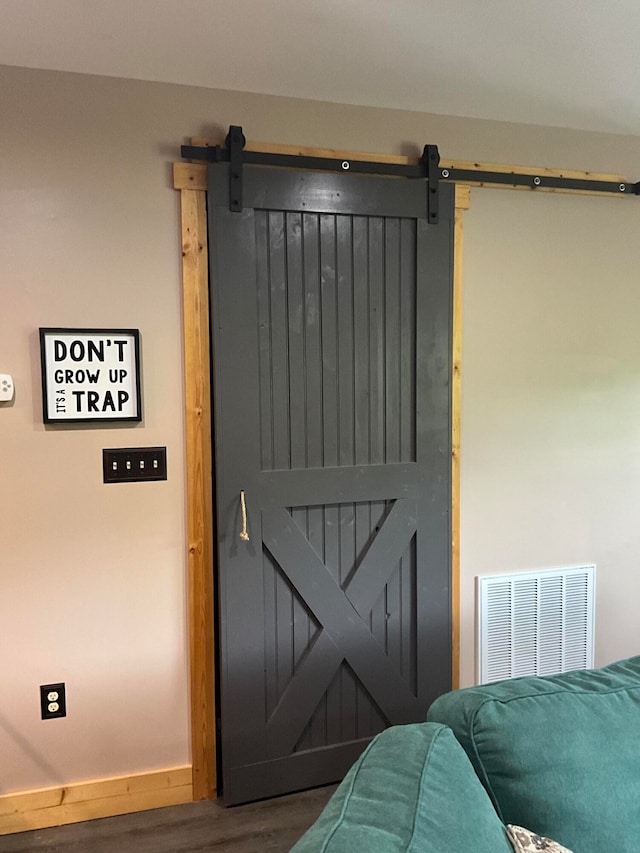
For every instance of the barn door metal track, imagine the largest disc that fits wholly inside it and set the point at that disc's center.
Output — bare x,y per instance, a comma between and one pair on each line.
428,168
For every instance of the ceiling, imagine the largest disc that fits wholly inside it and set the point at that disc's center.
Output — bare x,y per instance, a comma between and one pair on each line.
569,63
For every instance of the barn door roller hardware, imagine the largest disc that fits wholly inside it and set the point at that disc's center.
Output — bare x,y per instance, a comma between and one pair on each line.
235,143
431,160
428,168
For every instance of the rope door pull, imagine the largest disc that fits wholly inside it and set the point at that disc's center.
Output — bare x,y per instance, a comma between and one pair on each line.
243,533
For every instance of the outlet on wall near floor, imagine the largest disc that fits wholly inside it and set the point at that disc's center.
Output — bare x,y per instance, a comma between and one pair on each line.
53,701
6,387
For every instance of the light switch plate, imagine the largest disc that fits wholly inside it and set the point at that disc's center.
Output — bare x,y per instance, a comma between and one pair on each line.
133,464
6,387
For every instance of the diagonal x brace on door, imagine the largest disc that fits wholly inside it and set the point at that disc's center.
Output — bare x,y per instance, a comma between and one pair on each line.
342,615
318,666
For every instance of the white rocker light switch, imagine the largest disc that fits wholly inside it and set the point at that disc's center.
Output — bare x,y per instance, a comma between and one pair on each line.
6,387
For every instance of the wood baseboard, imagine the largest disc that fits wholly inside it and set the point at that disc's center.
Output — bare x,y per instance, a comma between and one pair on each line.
38,809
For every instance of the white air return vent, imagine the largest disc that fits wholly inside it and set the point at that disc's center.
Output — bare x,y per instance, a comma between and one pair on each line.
535,623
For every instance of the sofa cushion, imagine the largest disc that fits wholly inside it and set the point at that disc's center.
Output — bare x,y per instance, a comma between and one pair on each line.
413,790
560,754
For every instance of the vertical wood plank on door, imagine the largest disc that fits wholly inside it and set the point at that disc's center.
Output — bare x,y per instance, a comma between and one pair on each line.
376,340
348,560
264,344
303,626
361,372
362,535
296,340
315,439
318,723
284,633
281,425
243,622
279,339
270,644
329,340
408,599
195,293
313,389
408,341
267,459
362,416
376,266
392,337
345,297
433,405
330,429
392,412
379,609
332,562
392,614
313,346
462,204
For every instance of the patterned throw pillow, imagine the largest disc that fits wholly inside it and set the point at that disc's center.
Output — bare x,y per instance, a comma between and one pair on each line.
524,841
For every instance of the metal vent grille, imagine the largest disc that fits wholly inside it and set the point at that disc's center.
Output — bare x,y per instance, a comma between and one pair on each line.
535,623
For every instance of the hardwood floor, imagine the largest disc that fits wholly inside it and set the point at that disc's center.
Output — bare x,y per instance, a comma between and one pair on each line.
272,826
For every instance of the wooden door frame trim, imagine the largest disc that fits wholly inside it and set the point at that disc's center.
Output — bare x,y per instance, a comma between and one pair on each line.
195,318
191,180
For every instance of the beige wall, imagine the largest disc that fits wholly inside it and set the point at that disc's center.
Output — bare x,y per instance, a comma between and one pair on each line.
551,399
93,577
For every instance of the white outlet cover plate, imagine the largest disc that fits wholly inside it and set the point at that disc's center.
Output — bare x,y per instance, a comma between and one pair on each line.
6,387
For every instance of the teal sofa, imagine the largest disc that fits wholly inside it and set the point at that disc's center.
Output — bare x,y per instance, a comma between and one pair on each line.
558,755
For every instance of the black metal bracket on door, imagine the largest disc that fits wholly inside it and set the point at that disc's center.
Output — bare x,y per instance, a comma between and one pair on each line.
431,160
428,168
235,143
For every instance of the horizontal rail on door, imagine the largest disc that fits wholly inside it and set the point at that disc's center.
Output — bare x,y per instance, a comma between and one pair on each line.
235,154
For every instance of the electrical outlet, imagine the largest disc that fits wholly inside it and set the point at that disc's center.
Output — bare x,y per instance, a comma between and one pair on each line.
53,701
6,388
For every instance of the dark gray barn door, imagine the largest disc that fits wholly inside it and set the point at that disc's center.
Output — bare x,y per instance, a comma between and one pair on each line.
331,326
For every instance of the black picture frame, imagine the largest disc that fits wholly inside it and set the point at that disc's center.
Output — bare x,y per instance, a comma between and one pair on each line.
91,375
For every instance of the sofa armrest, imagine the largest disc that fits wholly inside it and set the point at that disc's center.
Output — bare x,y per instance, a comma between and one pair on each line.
413,789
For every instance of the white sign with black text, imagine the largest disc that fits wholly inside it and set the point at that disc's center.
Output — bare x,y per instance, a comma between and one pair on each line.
90,374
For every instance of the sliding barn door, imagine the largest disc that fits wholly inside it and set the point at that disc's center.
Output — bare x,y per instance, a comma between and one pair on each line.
331,328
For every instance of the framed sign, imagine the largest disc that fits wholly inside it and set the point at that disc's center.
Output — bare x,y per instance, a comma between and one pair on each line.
90,375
